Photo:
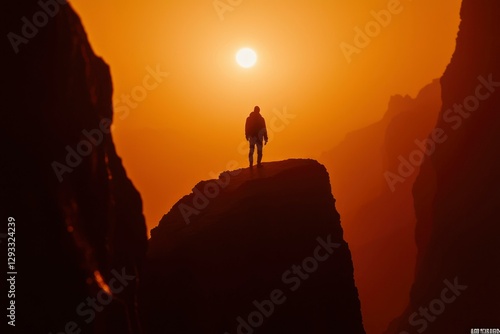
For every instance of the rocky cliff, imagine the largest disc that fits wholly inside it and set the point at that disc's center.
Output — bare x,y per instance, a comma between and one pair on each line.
257,250
79,230
457,192
372,173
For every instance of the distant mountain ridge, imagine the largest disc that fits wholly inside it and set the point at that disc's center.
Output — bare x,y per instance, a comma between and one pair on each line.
377,212
457,192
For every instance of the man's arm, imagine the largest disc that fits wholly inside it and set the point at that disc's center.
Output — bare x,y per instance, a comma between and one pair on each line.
246,129
264,130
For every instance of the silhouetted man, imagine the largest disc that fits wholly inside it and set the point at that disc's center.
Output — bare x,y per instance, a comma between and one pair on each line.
255,133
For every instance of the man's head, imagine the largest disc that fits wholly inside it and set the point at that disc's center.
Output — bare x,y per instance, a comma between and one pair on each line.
256,109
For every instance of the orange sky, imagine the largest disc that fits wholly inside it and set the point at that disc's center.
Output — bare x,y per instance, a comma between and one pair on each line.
189,123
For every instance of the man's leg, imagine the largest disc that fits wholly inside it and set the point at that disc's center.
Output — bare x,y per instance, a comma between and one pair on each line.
252,149
259,152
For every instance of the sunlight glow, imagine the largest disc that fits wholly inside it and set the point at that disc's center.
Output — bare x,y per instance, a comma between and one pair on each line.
246,57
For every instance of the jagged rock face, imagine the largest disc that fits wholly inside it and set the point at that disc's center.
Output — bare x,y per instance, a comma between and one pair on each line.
79,222
361,159
222,260
377,203
458,190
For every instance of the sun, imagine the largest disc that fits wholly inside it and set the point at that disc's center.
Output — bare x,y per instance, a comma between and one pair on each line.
246,57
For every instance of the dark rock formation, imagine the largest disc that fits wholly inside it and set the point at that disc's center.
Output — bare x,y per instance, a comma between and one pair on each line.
79,222
232,244
457,193
378,216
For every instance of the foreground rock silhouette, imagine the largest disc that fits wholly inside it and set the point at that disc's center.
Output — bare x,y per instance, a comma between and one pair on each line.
266,254
80,230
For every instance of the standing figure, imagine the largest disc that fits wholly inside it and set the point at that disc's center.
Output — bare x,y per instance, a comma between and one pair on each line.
255,133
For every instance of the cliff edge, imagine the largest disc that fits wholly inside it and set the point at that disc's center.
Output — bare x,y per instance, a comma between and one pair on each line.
257,248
